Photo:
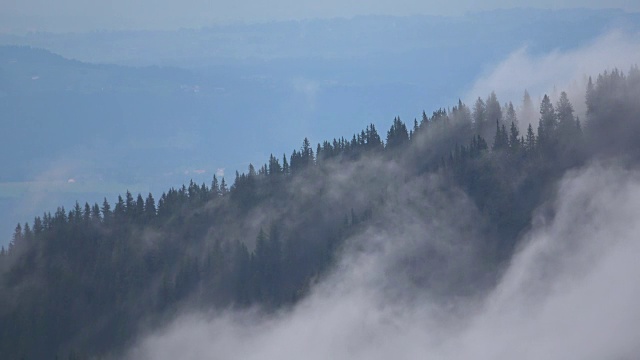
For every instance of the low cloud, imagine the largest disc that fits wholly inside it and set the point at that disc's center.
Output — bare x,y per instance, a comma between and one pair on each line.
570,292
308,88
559,70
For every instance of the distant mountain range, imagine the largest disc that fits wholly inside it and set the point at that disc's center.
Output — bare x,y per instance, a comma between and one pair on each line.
486,34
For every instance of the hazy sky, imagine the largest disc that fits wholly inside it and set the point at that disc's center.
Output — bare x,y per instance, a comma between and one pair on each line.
80,15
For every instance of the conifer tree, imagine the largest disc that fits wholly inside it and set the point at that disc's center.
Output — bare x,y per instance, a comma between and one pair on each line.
493,109
547,124
306,153
461,116
150,207
527,111
95,213
480,117
501,138
215,187
86,216
139,209
119,210
285,165
129,204
530,141
425,120
397,134
274,166
77,213
566,121
38,227
28,234
16,239
106,211
510,115
514,141
224,190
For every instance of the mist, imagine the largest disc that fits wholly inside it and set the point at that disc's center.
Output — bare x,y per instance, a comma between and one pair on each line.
321,79
569,292
556,71
461,234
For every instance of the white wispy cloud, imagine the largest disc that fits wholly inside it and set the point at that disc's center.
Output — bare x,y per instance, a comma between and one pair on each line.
559,70
570,293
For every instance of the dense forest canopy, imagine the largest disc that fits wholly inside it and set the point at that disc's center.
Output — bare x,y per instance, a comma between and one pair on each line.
86,282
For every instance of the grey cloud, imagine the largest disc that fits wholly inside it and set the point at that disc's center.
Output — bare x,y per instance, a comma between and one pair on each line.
571,292
559,70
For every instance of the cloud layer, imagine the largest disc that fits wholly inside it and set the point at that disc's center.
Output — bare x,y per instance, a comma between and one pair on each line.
571,292
557,71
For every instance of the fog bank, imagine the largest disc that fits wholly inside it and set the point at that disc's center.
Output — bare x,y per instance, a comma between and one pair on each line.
559,70
570,292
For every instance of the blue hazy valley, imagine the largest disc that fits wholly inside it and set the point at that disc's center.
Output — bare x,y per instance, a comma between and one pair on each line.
90,115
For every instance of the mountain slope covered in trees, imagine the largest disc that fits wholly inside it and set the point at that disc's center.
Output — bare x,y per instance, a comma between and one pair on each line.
86,282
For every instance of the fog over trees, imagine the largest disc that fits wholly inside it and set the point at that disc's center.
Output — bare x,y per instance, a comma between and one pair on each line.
442,206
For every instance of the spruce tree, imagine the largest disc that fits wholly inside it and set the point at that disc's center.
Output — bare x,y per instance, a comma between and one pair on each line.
95,213
566,121
224,190
87,213
547,125
150,207
493,109
514,141
510,115
139,207
530,141
397,134
480,117
106,211
215,187
527,111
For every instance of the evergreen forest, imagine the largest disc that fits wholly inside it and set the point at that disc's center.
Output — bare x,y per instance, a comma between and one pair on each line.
87,282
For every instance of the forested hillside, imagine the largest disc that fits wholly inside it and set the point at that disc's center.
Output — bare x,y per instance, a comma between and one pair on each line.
86,282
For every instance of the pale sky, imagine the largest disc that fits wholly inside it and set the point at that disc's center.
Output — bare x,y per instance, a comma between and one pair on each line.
83,15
